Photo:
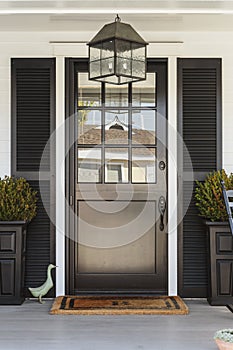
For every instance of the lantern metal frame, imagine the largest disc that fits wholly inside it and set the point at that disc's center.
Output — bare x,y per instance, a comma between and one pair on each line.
116,34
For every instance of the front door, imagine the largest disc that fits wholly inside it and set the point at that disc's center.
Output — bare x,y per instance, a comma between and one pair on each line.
119,178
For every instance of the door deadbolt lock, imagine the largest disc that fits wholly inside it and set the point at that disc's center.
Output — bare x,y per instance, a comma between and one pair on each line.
162,165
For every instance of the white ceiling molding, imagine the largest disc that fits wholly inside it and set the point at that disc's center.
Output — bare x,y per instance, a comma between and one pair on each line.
114,11
113,7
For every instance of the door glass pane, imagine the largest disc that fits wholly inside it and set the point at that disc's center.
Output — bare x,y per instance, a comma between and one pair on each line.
143,127
89,92
116,164
144,92
116,95
89,164
89,126
116,127
144,165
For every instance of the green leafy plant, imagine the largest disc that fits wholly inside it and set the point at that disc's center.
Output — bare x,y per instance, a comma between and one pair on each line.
225,335
209,198
17,200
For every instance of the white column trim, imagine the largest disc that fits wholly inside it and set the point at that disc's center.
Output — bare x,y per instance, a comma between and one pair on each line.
172,177
60,176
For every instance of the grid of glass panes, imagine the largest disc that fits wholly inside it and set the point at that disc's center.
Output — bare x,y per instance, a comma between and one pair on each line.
116,131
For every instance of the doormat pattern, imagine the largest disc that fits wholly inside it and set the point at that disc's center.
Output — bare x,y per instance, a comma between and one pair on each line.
110,305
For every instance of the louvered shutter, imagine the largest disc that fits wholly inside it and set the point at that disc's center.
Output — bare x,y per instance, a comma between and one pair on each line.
33,121
199,118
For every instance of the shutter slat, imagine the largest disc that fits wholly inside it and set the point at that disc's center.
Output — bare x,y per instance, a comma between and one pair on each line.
203,80
33,116
199,101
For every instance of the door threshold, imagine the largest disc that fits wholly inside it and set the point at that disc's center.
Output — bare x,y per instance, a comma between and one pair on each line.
121,293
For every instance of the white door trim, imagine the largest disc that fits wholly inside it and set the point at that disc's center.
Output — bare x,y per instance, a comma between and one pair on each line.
172,176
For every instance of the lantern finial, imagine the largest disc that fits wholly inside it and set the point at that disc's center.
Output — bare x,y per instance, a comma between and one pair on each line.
117,19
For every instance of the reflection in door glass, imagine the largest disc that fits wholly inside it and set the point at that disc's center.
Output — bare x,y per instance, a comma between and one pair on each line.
89,164
143,127
144,92
116,164
116,95
89,126
116,127
143,165
89,92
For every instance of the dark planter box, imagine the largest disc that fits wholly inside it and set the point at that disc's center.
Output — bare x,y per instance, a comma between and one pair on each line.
12,262
220,264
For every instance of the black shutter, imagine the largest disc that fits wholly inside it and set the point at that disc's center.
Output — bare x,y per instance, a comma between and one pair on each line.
33,121
199,123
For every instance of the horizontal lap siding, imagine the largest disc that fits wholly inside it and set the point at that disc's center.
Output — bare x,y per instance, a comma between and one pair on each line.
33,121
199,115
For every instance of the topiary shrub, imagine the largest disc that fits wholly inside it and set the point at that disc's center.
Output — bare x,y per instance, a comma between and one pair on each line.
209,198
17,200
225,335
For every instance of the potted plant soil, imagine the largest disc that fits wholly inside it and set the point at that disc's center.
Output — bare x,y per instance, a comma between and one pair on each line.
209,200
17,209
224,339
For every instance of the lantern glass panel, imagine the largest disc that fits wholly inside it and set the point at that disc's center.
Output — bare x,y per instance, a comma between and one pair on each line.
123,49
95,52
95,69
138,69
107,66
107,49
138,52
123,66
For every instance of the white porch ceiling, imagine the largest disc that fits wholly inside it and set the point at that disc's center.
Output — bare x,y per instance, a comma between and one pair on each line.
90,23
89,16
120,6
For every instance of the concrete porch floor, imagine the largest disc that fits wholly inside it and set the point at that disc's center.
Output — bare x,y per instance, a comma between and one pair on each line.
30,326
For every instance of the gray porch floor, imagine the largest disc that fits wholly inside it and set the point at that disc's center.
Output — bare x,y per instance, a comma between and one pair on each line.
29,326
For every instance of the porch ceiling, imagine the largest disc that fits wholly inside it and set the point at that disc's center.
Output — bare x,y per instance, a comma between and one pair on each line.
146,16
146,24
121,6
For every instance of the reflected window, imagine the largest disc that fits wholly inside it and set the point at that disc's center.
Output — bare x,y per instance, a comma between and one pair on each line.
116,127
143,165
116,164
144,92
143,127
116,95
89,92
89,126
89,165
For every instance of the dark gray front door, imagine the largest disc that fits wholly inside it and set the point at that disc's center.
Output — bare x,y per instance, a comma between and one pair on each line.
120,184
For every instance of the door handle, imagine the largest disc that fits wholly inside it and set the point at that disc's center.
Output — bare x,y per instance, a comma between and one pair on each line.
162,208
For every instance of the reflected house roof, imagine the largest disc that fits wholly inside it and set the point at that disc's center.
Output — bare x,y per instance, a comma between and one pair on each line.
91,135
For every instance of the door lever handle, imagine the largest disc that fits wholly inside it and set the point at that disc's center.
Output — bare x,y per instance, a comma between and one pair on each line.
162,208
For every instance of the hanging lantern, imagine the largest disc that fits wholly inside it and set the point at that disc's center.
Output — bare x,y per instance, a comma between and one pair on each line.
117,54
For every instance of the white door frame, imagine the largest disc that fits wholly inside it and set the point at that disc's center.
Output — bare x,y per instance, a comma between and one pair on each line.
172,176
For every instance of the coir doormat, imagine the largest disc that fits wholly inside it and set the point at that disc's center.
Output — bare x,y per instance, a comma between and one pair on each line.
102,305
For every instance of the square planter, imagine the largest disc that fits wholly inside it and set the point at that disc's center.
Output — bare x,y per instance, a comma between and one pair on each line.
12,262
220,263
